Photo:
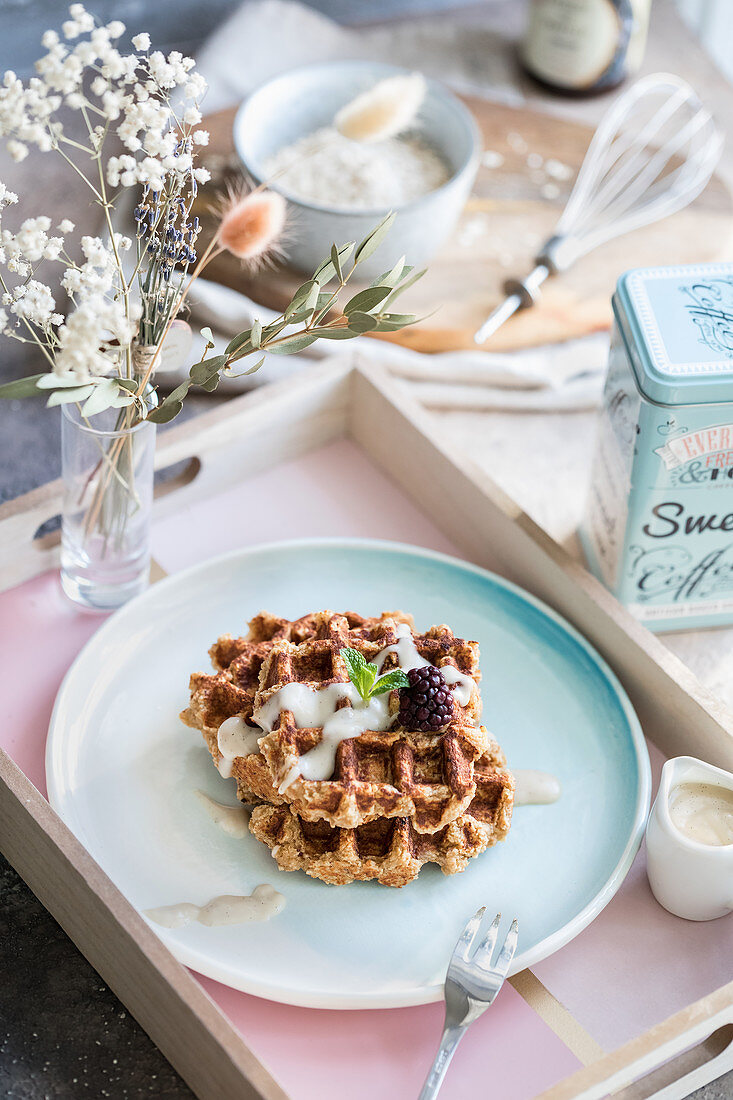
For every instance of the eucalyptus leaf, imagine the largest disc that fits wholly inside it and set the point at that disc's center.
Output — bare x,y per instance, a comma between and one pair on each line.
299,317
327,270
238,342
391,278
201,372
367,300
299,299
66,397
405,285
128,384
291,344
398,318
255,333
53,381
371,243
22,387
311,300
105,395
336,261
340,333
179,392
210,383
362,322
170,406
207,335
165,412
256,367
393,322
324,272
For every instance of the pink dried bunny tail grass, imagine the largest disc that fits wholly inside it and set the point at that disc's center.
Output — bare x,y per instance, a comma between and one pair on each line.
252,224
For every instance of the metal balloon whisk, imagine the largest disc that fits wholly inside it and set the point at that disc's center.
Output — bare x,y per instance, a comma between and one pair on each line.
651,155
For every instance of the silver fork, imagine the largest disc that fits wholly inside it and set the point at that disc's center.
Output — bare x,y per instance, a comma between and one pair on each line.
471,985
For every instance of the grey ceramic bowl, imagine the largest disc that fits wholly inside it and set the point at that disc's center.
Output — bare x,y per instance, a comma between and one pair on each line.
303,100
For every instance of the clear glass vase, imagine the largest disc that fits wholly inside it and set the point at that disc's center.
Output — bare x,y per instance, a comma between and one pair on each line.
107,469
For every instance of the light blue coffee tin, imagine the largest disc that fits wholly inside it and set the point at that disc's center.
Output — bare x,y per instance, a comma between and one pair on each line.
658,525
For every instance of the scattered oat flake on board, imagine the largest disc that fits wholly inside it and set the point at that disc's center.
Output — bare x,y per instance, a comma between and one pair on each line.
557,170
491,159
516,142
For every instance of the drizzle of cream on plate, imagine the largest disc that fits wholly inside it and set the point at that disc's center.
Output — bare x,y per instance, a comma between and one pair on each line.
263,903
533,788
232,820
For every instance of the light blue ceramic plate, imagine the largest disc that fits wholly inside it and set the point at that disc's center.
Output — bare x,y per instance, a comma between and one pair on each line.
122,772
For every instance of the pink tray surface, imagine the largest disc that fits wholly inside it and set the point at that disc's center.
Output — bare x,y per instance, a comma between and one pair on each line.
633,967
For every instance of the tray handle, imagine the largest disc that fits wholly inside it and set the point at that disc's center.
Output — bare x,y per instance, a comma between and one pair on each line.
670,1061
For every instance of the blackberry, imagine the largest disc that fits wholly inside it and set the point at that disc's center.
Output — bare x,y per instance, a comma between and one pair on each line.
427,704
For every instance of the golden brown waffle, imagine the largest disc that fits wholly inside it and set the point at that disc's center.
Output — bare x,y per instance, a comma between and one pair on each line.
390,849
427,777
238,662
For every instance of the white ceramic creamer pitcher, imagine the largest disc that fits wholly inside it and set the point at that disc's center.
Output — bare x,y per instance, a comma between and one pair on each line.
690,878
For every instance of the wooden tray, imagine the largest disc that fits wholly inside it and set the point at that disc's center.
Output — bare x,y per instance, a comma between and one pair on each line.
253,433
504,223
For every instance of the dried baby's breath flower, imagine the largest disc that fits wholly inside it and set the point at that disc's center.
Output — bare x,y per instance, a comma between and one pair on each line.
252,224
387,109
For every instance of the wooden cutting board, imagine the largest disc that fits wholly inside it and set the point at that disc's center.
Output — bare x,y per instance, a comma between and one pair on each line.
507,217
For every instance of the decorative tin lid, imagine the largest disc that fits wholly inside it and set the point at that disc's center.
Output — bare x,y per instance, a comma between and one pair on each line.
677,323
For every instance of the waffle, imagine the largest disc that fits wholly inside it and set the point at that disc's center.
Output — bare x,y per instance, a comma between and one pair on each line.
391,850
231,689
427,777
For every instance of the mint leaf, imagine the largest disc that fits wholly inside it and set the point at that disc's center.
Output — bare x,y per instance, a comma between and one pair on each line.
361,673
391,681
364,675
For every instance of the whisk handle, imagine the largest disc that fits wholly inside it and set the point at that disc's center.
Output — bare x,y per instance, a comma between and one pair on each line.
558,253
528,289
520,293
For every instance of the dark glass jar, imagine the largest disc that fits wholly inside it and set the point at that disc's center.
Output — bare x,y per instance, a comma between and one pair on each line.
581,47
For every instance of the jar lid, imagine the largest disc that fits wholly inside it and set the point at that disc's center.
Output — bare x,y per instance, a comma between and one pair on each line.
677,324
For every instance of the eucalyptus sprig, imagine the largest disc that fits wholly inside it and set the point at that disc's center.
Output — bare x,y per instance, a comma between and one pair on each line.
369,310
365,677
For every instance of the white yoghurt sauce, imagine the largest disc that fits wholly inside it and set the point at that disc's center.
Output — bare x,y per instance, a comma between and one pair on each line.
263,903
312,709
232,820
533,788
318,708
703,812
409,658
235,738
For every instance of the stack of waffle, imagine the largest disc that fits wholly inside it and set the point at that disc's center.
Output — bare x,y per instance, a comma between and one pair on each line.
397,799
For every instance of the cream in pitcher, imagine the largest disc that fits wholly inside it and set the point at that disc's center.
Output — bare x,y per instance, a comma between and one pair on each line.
689,840
658,527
